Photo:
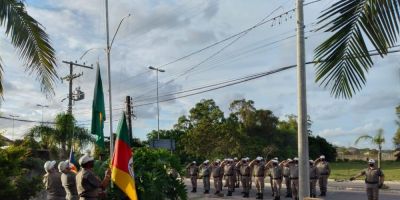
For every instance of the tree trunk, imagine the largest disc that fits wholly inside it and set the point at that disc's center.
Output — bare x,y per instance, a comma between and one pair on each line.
379,156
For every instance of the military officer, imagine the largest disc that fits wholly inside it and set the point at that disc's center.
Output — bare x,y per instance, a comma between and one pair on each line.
217,174
229,172
374,179
205,173
313,179
286,175
68,180
52,182
193,173
275,174
294,176
245,174
324,171
237,172
259,173
89,186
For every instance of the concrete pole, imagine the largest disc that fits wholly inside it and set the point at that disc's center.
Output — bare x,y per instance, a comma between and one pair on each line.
304,186
109,84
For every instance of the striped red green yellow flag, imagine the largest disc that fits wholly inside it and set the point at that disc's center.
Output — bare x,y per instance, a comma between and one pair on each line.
122,165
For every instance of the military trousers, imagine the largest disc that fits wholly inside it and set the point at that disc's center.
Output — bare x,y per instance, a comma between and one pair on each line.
372,191
313,187
295,188
323,183
238,179
276,187
288,186
217,184
272,185
206,183
260,184
193,179
231,183
246,183
225,181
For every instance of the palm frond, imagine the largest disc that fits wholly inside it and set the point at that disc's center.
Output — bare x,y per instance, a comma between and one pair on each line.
32,42
343,59
379,138
362,137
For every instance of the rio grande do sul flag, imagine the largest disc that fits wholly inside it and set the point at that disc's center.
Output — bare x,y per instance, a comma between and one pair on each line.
121,170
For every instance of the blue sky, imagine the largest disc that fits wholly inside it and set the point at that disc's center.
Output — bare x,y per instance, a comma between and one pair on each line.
161,31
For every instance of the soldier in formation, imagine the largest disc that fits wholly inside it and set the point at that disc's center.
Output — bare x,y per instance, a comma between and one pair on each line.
193,173
68,180
275,174
313,179
229,172
259,173
205,173
286,175
374,179
324,171
52,182
245,175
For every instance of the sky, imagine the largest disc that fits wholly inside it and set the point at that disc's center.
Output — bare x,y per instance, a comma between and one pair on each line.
159,32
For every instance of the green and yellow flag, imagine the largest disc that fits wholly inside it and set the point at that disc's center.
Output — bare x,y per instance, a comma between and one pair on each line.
98,111
122,164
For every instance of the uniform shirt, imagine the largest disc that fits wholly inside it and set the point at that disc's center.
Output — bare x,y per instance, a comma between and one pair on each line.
286,171
259,170
372,175
245,170
313,172
216,171
206,170
294,171
69,183
193,170
53,186
323,168
275,172
87,184
228,170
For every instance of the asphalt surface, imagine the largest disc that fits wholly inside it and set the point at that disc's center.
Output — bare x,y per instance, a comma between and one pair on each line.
344,190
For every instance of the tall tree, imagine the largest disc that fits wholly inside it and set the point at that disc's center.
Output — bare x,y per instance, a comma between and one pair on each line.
32,42
377,139
64,134
344,56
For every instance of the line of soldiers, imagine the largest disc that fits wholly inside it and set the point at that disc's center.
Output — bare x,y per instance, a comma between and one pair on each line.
65,185
245,171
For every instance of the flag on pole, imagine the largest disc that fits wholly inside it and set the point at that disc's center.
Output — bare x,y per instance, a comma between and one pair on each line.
73,165
98,111
122,164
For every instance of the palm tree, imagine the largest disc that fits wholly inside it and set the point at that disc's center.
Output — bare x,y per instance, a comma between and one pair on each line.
32,42
378,139
344,57
65,134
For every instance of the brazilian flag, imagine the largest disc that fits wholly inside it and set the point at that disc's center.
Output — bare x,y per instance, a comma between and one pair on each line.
98,111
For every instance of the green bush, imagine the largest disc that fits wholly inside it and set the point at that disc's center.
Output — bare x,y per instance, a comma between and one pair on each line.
153,180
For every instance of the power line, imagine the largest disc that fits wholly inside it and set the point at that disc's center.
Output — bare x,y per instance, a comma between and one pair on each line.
244,79
25,120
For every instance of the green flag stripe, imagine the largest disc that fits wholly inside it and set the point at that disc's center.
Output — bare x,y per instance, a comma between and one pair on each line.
122,131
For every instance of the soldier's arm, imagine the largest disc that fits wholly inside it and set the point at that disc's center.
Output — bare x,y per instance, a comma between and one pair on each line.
381,178
268,165
358,175
316,161
251,164
238,164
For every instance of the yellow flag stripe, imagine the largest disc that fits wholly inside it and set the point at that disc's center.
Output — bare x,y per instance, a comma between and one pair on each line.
125,182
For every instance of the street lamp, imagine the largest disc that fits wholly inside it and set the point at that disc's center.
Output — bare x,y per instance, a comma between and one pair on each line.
158,108
13,117
43,106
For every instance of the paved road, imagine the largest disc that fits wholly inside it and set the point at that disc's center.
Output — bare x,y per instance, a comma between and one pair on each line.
336,191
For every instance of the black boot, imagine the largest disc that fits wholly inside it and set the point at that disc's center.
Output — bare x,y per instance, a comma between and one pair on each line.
258,196
194,190
278,198
206,192
229,193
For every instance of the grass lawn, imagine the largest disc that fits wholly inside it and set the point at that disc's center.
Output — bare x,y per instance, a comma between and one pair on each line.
345,170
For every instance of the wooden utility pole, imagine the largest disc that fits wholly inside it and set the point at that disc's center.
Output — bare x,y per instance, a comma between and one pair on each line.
304,186
129,117
70,78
